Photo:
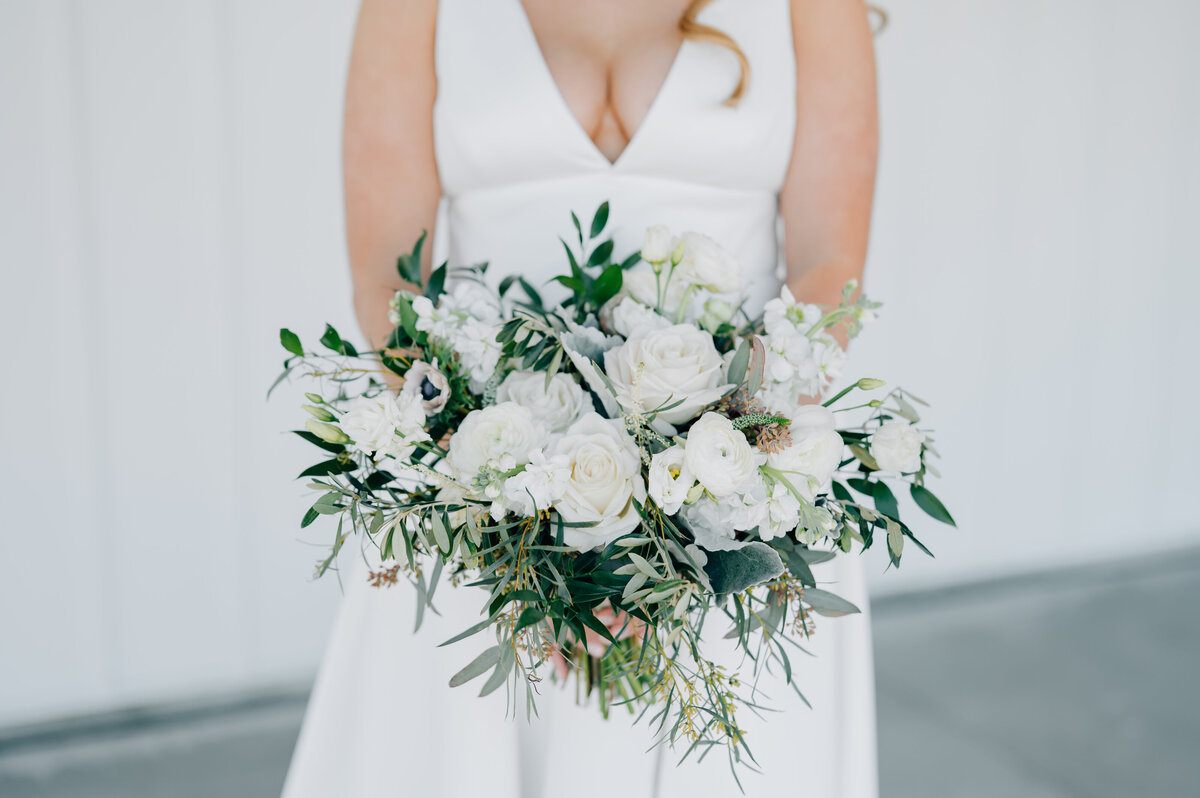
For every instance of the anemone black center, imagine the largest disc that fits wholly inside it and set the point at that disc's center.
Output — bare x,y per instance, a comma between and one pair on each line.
429,391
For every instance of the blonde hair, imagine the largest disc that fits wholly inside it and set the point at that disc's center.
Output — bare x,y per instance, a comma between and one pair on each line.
699,32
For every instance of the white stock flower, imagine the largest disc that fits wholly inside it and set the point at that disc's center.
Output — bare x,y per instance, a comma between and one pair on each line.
497,438
542,484
784,312
781,513
605,478
719,456
707,264
385,424
896,447
715,522
658,245
677,365
557,406
670,479
628,317
467,319
815,451
428,384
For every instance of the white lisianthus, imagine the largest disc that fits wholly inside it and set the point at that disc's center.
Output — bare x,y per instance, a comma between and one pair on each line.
708,265
494,439
719,456
557,405
716,312
386,425
815,451
658,245
676,365
896,447
537,488
629,317
670,479
428,384
605,478
643,286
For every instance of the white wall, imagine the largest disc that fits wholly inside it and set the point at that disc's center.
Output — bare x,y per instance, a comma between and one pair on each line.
169,197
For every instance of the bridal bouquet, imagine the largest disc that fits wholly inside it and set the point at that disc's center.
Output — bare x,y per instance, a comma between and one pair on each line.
613,471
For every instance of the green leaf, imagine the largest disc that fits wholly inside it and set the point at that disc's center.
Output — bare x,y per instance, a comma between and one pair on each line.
863,486
885,500
476,629
409,265
500,674
309,517
437,284
796,564
291,342
336,448
600,220
735,571
331,339
840,493
529,616
738,363
895,539
607,284
327,468
932,506
825,603
601,254
477,667
578,227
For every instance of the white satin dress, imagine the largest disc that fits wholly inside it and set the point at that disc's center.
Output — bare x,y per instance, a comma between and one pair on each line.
382,721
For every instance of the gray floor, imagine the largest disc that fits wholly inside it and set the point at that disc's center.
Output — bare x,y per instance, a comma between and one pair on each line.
1074,684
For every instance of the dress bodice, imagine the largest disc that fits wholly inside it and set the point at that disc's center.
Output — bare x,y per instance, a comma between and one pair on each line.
514,162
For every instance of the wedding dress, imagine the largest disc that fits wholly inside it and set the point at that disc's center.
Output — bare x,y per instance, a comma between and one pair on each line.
513,163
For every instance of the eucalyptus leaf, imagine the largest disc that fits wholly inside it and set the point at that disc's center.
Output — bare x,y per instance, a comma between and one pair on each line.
931,504
477,667
825,603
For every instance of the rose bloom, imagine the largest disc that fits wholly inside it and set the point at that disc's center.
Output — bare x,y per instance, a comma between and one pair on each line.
605,478
558,405
720,457
676,365
896,447
707,264
815,451
659,244
501,436
386,424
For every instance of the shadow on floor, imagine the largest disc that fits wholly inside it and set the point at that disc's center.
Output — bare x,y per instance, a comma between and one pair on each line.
1064,685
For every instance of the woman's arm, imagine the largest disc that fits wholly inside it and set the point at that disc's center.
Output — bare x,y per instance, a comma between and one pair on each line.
390,175
826,198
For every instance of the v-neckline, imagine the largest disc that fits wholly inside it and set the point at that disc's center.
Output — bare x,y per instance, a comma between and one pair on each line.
560,99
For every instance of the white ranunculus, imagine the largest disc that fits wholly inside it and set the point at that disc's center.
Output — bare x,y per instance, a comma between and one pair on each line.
815,451
670,479
628,317
896,447
677,364
498,438
385,425
708,265
658,245
557,405
428,384
542,483
605,478
719,456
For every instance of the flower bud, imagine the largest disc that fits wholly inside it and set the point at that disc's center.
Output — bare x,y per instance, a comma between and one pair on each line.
326,432
319,413
316,399
656,249
876,403
869,384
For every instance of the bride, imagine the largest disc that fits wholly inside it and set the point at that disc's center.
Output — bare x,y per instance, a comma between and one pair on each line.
488,121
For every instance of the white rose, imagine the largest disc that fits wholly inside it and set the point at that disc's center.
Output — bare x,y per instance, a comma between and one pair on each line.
542,483
670,479
707,264
557,405
385,425
676,365
499,437
605,478
659,244
896,447
815,452
720,457
629,317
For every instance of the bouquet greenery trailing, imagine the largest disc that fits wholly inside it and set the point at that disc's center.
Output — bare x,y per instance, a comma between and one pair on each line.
614,471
